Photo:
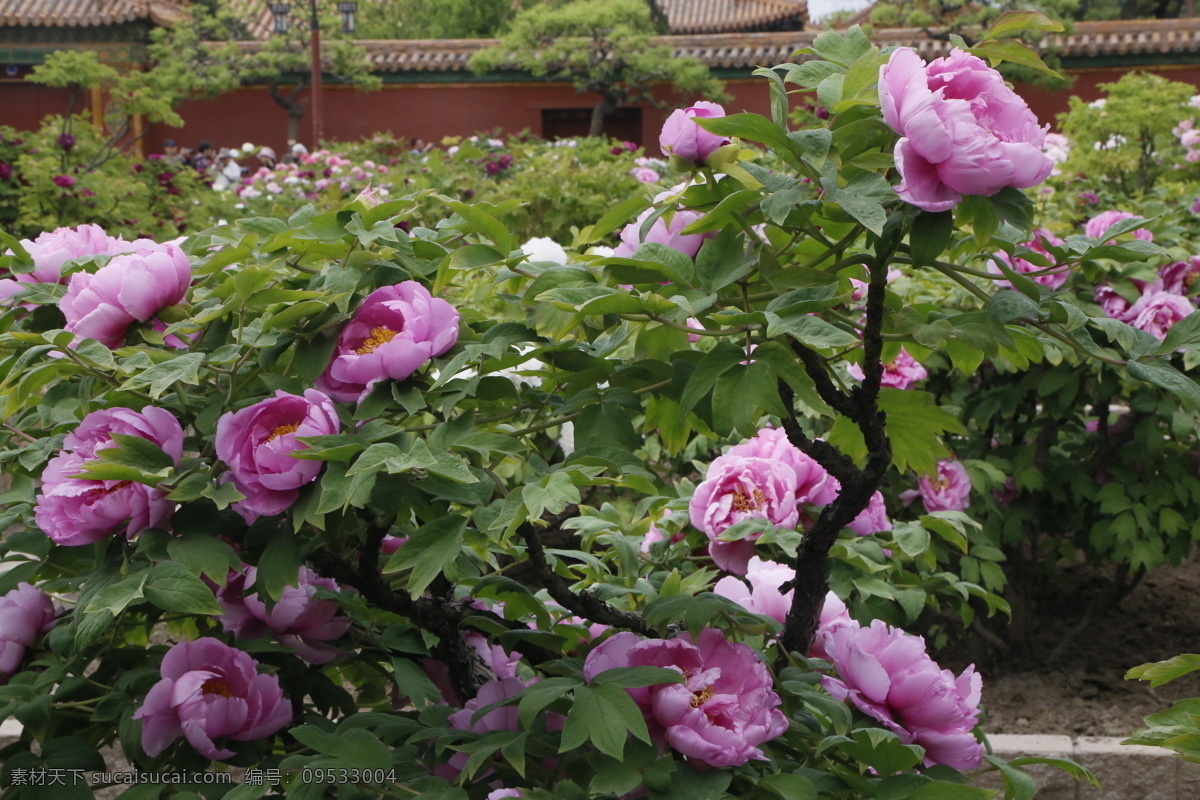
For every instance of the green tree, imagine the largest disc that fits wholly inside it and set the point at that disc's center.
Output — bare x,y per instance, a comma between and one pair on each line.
208,54
435,19
601,46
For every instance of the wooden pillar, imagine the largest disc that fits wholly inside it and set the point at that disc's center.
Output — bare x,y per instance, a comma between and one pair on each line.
98,109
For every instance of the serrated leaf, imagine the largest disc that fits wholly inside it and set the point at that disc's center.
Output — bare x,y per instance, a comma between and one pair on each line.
172,587
429,551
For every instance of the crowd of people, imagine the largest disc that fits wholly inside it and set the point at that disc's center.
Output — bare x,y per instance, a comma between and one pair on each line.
222,166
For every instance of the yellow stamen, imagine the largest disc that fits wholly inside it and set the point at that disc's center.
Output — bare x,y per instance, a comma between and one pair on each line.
702,697
743,503
378,336
290,427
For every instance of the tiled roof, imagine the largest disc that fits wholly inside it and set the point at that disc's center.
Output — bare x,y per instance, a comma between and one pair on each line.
741,50
724,16
257,16
85,13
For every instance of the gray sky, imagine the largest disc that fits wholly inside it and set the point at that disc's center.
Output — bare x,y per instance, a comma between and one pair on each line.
819,8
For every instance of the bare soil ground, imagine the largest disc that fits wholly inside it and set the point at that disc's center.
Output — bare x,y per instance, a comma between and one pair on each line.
1080,690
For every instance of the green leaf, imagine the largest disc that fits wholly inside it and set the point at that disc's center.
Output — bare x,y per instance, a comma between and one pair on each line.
1183,335
789,786
718,361
605,715
1160,672
862,198
1012,51
1076,771
842,50
204,554
633,677
929,236
135,451
354,747
809,330
158,378
754,127
429,551
483,222
617,216
172,587
1006,305
279,564
1013,23
537,696
1018,785
742,395
116,597
1167,377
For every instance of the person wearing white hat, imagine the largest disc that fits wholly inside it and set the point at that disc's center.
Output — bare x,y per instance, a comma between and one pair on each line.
266,157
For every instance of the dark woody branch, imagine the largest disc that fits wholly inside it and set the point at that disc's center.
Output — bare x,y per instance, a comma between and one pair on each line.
857,485
584,604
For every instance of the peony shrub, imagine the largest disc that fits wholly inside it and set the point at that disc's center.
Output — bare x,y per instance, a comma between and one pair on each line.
313,508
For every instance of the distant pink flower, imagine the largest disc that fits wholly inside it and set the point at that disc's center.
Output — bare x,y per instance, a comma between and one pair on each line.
899,373
645,174
724,709
257,443
1041,237
873,518
210,691
25,614
75,511
814,485
1156,312
886,674
130,288
682,137
763,595
948,490
738,488
64,181
395,331
1097,225
297,619
499,794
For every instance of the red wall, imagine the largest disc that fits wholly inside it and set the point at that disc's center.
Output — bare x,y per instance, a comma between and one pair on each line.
427,111
431,111
23,105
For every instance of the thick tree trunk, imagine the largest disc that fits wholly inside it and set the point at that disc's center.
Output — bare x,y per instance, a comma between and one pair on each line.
599,114
295,109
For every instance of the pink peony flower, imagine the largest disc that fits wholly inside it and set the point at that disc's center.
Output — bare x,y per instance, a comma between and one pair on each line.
1178,276
1156,312
763,595
210,691
298,619
129,288
76,511
738,488
1041,237
645,174
813,484
655,535
682,137
887,675
873,518
502,664
499,794
25,614
833,614
63,181
949,490
963,131
723,711
1111,302
665,230
257,445
395,330
51,251
1097,225
900,373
